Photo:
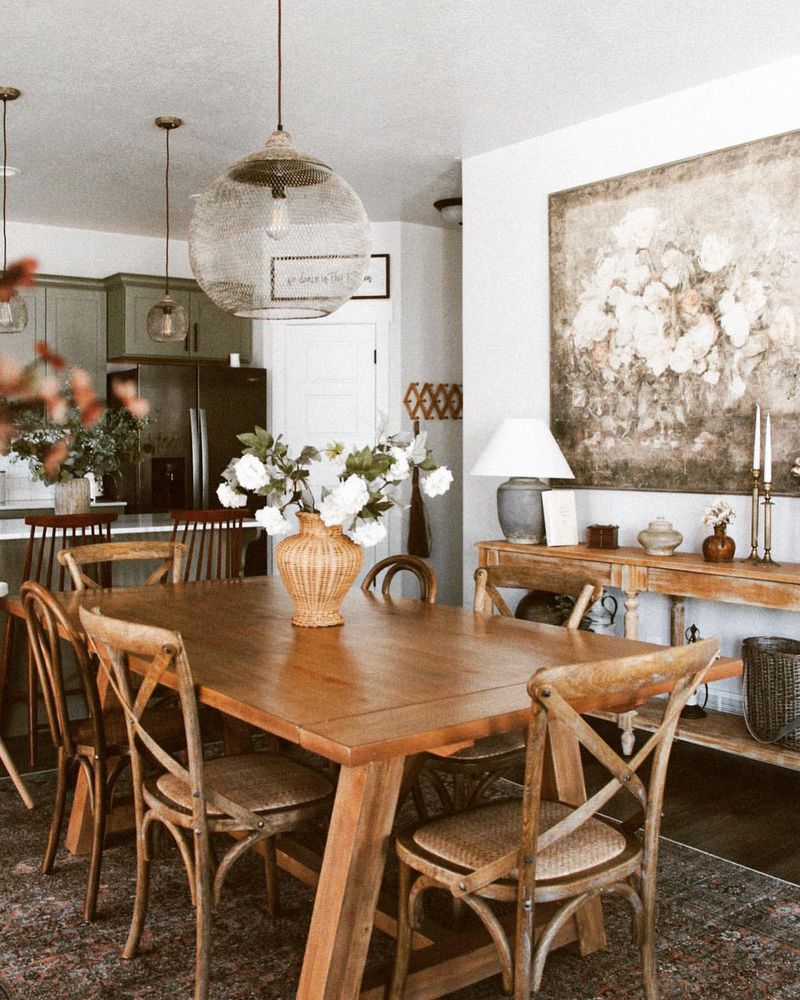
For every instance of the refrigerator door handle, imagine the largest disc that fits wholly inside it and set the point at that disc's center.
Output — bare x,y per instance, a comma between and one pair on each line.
204,453
194,427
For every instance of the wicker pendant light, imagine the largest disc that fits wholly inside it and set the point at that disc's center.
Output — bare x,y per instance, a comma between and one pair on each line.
14,313
279,235
167,322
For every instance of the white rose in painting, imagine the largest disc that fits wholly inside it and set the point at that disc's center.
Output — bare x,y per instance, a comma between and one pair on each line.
715,254
250,473
229,497
701,335
676,267
655,295
591,324
272,521
368,533
753,297
636,277
437,482
737,386
682,357
783,328
637,228
691,302
734,319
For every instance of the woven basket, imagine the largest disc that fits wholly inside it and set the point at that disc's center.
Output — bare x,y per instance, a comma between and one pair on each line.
318,567
772,690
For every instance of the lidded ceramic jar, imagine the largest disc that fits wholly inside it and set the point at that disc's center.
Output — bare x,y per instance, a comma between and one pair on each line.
659,538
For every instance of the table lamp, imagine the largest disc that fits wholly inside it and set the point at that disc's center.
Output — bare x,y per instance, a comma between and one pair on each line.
526,452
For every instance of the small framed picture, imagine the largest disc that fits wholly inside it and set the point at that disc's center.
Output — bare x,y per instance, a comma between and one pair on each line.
376,283
326,277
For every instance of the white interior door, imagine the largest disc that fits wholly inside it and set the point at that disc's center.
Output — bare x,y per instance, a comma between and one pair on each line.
328,376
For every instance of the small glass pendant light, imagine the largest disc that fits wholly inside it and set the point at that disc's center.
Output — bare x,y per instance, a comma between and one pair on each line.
279,235
14,313
167,321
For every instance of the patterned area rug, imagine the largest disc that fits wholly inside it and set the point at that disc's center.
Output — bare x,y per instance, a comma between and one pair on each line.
724,932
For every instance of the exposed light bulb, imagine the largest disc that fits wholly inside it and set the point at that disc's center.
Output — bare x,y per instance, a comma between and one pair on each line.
167,322
279,225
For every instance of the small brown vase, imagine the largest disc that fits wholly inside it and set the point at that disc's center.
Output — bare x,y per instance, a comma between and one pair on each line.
318,567
719,547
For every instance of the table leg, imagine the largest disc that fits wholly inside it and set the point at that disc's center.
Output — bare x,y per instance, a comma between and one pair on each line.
563,780
352,869
677,621
631,613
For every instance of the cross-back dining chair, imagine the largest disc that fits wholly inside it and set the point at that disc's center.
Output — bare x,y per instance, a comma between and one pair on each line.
392,565
531,851
48,534
170,555
252,796
96,744
213,540
476,768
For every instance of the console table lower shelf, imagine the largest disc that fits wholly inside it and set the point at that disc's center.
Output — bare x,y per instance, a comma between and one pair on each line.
718,731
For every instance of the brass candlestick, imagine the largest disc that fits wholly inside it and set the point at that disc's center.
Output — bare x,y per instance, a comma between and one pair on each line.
753,557
767,557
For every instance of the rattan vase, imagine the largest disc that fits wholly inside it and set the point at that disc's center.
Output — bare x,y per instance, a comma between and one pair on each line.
318,567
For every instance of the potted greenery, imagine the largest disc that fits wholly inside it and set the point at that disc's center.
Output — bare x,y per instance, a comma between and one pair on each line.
72,441
319,564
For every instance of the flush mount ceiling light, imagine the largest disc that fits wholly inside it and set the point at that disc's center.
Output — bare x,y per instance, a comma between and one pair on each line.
167,321
279,235
451,209
14,313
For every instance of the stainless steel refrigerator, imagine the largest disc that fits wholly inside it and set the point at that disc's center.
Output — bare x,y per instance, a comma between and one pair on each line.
195,414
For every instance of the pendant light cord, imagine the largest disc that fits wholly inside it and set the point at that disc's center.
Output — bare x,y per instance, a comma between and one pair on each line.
5,180
280,66
166,205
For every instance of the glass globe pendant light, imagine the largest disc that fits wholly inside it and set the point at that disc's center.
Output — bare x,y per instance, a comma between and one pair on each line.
14,313
167,321
279,235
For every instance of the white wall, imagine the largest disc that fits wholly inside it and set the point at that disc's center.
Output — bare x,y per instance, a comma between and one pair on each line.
506,309
431,352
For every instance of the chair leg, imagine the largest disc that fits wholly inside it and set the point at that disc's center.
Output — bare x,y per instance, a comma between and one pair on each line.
460,797
202,963
648,945
98,837
5,658
271,873
59,804
33,711
403,947
14,774
142,895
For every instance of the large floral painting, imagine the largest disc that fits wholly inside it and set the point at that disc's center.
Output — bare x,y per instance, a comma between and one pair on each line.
675,308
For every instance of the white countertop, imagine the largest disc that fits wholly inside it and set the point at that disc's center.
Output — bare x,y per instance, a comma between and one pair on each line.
46,503
15,528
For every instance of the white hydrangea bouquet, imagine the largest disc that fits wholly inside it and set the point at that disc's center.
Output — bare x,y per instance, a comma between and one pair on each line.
369,481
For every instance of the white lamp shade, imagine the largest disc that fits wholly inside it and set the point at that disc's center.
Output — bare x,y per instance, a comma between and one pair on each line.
522,448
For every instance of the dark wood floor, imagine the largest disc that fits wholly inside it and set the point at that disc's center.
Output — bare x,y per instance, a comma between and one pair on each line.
741,810
738,809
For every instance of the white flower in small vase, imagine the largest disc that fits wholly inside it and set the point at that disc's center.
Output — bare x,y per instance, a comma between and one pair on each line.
719,513
437,482
228,496
272,521
250,473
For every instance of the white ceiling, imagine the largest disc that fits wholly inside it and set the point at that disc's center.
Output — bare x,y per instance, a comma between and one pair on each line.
390,93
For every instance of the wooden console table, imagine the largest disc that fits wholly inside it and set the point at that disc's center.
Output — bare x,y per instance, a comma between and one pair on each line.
679,576
685,574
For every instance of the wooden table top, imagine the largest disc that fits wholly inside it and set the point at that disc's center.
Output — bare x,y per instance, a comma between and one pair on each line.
685,562
399,677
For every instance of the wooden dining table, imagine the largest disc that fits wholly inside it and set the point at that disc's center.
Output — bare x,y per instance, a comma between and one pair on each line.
398,678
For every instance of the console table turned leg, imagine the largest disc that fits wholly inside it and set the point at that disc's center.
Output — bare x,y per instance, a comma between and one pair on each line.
631,613
677,621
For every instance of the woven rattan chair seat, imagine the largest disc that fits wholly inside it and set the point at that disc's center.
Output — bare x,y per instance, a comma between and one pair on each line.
492,746
163,719
259,782
474,838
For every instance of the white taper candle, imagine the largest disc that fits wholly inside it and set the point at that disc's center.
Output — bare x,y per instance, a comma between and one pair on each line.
768,452
757,440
